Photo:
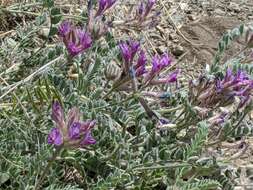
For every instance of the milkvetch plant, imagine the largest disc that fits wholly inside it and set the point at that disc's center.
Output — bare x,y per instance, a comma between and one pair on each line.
69,133
160,129
134,66
76,40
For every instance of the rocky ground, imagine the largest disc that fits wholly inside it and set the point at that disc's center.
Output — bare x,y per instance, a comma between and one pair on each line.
194,29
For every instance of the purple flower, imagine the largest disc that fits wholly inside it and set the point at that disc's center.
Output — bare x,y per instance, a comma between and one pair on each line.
134,47
128,50
155,64
125,51
151,3
75,39
142,60
158,64
144,9
140,71
170,79
110,3
88,139
164,121
64,28
173,76
58,114
103,6
165,61
55,137
141,9
87,125
73,115
73,132
224,91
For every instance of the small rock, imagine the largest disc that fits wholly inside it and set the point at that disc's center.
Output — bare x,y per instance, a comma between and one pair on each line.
44,32
177,50
219,12
173,37
161,49
191,17
234,7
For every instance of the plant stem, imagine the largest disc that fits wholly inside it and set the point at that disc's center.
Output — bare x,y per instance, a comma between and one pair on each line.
164,111
20,11
223,138
167,166
149,112
50,162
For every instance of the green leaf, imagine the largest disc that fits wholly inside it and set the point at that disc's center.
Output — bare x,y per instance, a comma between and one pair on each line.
241,29
55,15
56,19
4,177
55,11
41,19
53,31
48,3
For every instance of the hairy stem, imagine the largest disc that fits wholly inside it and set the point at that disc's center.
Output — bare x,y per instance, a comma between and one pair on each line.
49,164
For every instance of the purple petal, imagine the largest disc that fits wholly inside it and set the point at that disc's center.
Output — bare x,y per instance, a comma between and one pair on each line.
140,71
125,52
110,3
164,121
75,130
155,64
165,61
134,46
73,49
87,125
85,40
55,137
64,28
141,9
73,116
58,114
241,76
173,76
88,139
151,3
142,60
102,7
149,6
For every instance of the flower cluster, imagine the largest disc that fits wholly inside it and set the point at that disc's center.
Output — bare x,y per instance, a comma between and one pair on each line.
70,132
221,92
144,9
75,39
97,25
103,6
137,67
143,16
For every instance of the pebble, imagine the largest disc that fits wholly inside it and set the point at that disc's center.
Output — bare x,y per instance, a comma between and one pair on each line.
234,7
177,50
192,17
173,37
219,12
161,49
